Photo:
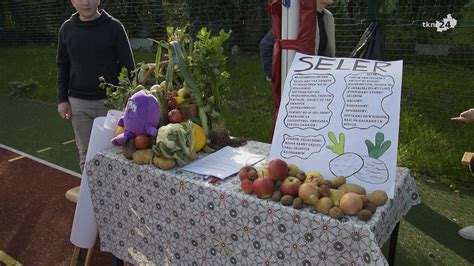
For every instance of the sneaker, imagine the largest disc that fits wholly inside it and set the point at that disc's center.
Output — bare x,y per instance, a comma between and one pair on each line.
467,232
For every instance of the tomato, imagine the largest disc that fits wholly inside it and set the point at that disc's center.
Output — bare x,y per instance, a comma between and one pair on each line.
142,142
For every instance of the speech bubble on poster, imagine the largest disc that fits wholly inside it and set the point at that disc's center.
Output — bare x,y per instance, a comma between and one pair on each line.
301,146
308,107
364,100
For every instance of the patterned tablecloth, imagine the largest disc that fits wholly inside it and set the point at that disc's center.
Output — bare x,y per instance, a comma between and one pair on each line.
149,216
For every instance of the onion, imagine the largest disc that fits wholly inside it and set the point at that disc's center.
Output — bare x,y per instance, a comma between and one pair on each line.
351,203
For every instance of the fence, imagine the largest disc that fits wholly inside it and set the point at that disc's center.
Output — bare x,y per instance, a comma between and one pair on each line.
409,25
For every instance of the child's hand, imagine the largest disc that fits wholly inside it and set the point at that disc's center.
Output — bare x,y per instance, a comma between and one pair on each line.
466,116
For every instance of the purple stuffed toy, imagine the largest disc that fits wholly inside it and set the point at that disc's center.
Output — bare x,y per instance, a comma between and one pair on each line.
141,117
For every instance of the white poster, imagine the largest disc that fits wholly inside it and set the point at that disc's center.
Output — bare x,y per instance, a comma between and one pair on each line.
340,116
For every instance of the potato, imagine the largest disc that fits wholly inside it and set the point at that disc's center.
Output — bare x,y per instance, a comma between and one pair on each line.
378,197
143,156
129,148
353,188
324,191
336,194
336,213
324,205
276,196
164,163
286,200
338,181
365,215
297,203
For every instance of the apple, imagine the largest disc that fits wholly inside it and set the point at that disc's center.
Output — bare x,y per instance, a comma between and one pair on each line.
248,172
290,186
142,142
263,187
175,116
247,186
277,169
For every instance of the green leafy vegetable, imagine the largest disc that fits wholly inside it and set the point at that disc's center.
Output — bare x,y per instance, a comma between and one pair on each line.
118,95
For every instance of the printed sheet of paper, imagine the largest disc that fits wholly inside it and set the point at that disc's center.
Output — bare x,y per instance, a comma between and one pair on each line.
340,116
223,163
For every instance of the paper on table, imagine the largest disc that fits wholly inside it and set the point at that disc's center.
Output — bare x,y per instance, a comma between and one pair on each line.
223,163
84,227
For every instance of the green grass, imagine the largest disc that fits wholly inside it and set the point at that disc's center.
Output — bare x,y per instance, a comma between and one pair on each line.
429,143
32,125
249,111
428,234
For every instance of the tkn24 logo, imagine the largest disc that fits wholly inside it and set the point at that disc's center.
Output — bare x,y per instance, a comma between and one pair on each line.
448,23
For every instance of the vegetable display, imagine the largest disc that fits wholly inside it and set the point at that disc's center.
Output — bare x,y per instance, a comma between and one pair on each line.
189,80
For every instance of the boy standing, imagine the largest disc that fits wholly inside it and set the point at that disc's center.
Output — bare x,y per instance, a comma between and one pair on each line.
91,44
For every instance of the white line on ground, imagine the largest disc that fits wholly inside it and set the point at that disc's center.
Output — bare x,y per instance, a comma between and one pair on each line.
16,158
55,166
43,150
69,141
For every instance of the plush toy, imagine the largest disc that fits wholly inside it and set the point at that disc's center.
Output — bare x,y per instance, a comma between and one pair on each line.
141,117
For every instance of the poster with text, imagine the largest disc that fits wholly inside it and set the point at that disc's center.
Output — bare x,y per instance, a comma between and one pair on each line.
340,117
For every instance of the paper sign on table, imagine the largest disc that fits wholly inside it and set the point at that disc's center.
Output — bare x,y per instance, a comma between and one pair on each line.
223,163
340,117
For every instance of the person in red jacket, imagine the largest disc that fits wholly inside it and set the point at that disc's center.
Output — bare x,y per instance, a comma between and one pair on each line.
325,38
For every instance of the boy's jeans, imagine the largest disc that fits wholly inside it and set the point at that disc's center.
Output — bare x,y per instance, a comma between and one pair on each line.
83,114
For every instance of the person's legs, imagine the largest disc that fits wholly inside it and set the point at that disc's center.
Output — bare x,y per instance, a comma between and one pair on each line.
83,114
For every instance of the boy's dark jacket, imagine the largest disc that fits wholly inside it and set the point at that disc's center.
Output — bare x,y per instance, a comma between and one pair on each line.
88,50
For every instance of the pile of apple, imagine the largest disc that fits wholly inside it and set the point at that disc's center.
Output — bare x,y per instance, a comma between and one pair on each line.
291,186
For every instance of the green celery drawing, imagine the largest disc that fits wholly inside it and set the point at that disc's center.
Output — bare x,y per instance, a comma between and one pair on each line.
380,147
338,147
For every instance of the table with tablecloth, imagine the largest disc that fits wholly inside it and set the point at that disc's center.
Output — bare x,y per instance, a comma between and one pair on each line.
150,216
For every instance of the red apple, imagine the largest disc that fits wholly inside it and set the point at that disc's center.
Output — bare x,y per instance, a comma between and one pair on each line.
246,186
175,116
142,141
277,169
248,172
290,186
263,187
